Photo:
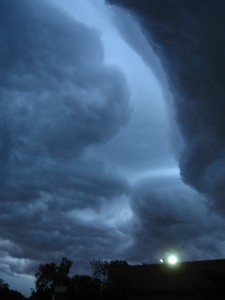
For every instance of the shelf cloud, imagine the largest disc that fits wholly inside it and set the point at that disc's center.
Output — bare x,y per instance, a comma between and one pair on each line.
111,132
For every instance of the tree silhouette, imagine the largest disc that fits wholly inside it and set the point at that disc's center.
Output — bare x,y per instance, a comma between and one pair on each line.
62,271
101,269
7,294
79,287
46,277
3,285
84,287
50,275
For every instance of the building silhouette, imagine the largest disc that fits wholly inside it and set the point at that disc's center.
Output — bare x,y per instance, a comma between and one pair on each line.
183,281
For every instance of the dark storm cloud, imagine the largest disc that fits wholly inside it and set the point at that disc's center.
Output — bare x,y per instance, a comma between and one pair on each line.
188,36
172,217
57,97
52,76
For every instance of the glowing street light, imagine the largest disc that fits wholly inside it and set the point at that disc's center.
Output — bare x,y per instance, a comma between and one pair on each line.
172,259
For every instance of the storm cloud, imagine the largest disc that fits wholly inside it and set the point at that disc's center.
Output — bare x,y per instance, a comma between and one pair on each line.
188,38
111,131
58,97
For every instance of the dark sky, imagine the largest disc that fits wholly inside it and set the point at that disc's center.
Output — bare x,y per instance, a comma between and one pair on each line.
112,126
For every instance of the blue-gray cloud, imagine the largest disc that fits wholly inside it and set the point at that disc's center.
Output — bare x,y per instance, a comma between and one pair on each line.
188,38
79,180
58,97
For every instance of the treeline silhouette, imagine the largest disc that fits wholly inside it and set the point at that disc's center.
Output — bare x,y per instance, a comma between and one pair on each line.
7,294
51,277
54,282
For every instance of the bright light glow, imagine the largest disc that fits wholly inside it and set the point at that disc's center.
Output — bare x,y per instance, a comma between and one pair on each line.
172,260
161,260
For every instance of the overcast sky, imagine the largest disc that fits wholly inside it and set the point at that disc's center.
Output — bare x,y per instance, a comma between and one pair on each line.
111,132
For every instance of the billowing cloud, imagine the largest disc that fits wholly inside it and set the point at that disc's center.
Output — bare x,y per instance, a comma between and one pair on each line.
58,97
188,38
58,84
171,217
89,145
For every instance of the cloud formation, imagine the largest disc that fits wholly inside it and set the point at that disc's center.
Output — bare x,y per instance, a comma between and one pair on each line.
188,38
88,149
58,97
171,217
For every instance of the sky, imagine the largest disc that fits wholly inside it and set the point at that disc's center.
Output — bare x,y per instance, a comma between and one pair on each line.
111,132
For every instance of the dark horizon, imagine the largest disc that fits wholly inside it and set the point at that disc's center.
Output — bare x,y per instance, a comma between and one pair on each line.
181,279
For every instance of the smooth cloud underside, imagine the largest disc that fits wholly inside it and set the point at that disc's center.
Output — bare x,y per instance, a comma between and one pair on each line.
58,97
188,36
